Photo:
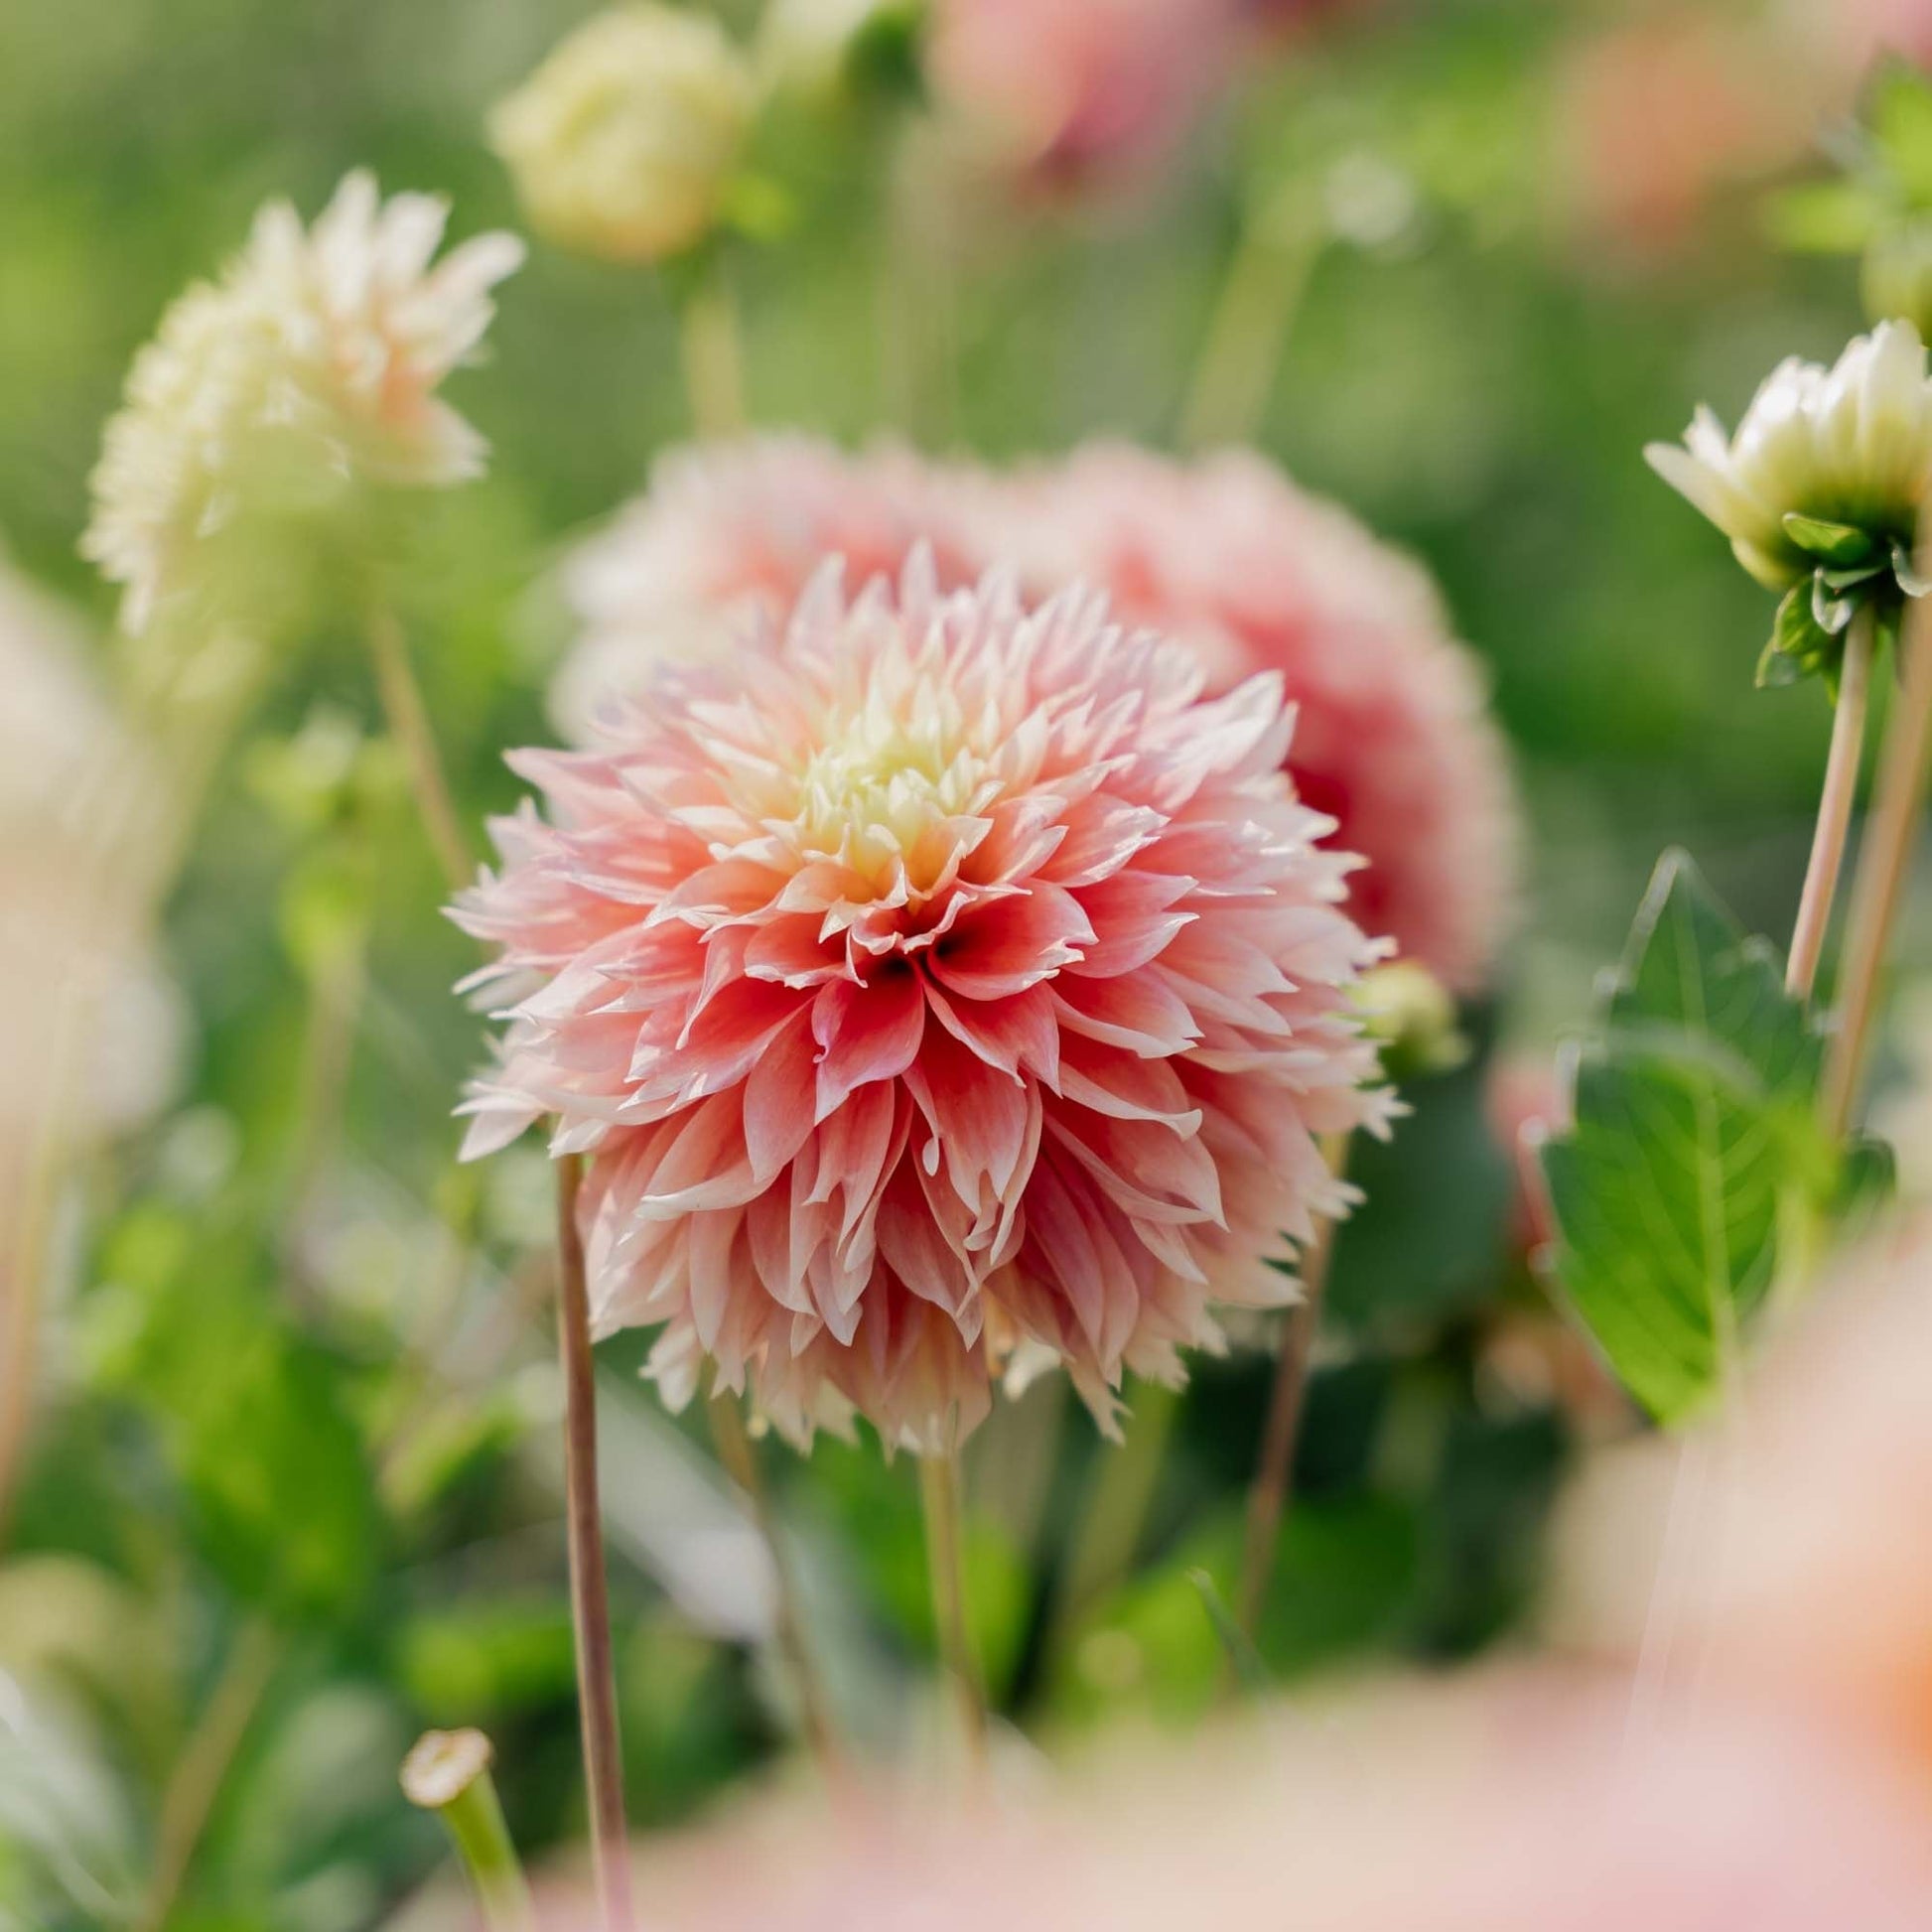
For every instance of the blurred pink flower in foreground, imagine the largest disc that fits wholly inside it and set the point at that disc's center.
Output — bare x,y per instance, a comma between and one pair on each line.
931,977
1504,1805
1067,92
1392,737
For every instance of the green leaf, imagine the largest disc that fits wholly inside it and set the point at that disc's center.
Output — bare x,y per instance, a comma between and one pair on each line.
1839,544
1830,612
1243,1660
1695,1124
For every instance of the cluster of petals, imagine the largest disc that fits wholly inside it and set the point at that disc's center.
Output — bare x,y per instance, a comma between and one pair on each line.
1850,445
309,368
1392,739
936,978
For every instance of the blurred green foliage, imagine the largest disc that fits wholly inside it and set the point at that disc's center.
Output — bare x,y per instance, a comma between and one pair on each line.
302,1384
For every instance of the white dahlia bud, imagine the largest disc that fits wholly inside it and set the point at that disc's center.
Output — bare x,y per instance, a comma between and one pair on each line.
310,369
1820,488
625,143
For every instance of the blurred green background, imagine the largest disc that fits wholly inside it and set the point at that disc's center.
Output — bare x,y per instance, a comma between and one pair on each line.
295,1448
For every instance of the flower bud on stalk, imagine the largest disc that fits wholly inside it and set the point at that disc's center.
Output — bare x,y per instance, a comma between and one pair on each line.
625,144
1819,491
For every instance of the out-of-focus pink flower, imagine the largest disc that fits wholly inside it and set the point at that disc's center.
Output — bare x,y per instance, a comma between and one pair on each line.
1656,117
931,977
1393,736
1789,1555
729,533
1064,92
1843,39
1510,1805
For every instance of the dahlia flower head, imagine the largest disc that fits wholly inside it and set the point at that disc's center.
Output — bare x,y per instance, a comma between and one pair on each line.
1820,490
938,976
624,142
308,372
1393,734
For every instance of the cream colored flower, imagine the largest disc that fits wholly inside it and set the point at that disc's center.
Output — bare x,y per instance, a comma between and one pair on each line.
1822,482
1851,446
307,371
625,141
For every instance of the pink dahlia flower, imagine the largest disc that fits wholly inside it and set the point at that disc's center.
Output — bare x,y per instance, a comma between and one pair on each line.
1393,736
933,977
1064,92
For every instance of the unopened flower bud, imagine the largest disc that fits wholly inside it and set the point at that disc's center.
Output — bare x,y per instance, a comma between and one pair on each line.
1820,490
1409,1013
625,143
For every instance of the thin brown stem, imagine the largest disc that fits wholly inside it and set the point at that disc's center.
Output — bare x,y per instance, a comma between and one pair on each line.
195,1782
1885,856
1834,810
739,1454
596,1695
939,1491
409,726
1272,1489
714,359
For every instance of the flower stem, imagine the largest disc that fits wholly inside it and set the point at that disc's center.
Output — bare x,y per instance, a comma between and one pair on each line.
402,704
1834,809
589,1606
1270,1493
197,1779
448,1772
739,1454
1111,1526
939,1491
1254,313
714,359
1884,855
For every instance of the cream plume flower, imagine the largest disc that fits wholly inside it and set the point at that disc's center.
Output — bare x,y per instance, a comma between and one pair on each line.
933,977
625,141
308,372
1820,488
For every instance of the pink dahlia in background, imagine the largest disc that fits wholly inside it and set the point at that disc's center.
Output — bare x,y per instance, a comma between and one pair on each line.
731,533
1393,736
933,977
1064,92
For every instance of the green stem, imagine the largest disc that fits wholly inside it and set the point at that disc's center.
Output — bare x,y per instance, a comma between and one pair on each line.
939,1491
200,1771
1254,313
714,356
739,1454
448,1772
1271,1492
409,726
1834,809
1885,856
